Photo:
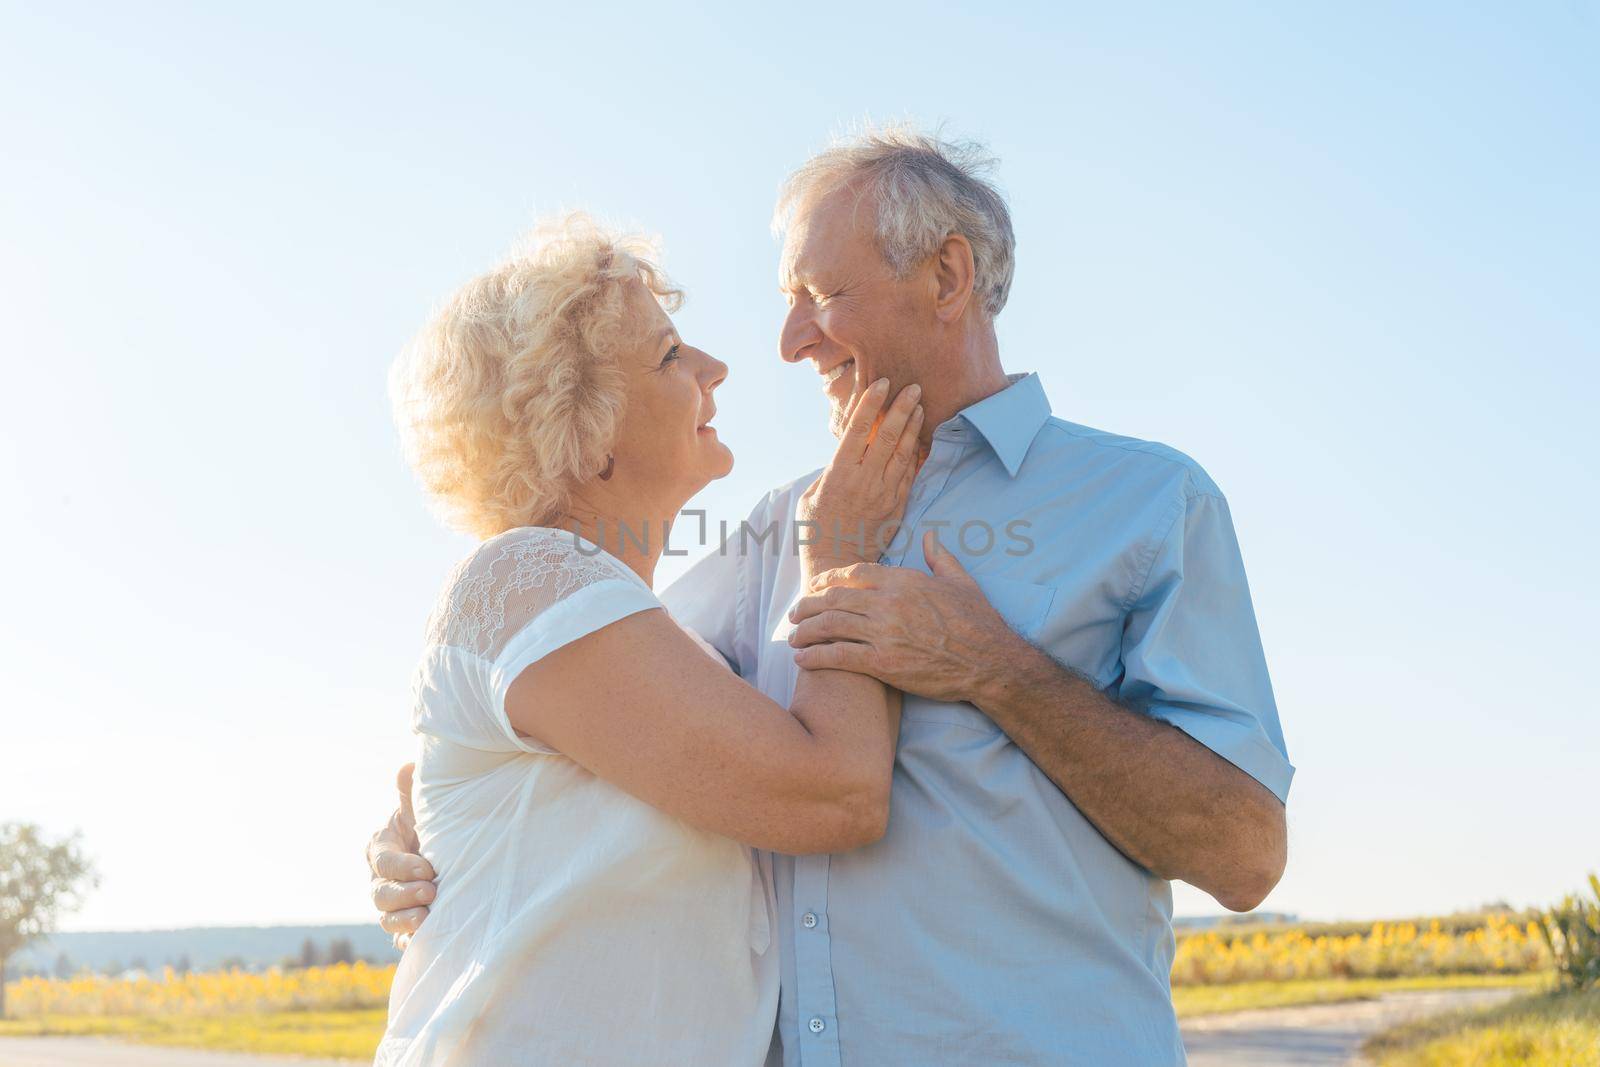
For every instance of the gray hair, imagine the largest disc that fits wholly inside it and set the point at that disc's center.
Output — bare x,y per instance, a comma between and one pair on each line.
926,189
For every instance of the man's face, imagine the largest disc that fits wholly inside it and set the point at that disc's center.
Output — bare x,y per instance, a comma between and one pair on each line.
848,313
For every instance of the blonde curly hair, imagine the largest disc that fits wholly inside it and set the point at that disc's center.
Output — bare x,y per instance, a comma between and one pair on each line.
512,395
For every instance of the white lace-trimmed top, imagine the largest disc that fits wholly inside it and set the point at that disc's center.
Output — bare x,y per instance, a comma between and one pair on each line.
574,923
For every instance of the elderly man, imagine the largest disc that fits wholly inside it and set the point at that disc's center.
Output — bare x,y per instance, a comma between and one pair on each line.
1087,714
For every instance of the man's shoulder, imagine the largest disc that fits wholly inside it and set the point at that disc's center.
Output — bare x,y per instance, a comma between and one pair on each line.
1151,460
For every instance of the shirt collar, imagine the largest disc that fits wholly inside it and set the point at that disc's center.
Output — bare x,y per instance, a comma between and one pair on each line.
1010,419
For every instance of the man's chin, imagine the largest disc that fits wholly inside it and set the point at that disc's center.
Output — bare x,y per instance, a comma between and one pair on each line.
837,411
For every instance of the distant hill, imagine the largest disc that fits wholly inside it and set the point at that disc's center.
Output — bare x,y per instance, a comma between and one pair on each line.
1251,923
205,947
1189,924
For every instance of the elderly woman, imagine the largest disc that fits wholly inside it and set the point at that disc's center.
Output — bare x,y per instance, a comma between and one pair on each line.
591,781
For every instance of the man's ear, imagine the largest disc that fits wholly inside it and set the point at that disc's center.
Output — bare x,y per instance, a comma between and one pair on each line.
953,270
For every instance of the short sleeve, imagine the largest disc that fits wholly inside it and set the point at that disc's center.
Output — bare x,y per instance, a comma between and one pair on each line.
528,593
1192,652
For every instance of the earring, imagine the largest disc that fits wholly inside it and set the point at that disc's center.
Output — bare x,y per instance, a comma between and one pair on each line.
611,465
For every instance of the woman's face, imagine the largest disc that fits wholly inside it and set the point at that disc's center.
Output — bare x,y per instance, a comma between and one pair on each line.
666,450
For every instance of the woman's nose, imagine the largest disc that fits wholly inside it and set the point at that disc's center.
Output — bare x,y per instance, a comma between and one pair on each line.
714,374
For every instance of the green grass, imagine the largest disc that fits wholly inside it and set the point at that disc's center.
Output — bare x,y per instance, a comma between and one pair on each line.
335,1034
1557,1029
1242,996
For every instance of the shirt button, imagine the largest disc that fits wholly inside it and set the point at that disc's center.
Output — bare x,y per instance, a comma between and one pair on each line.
817,1025
808,920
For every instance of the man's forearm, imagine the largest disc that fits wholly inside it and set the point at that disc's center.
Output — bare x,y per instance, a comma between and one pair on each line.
1166,801
1163,799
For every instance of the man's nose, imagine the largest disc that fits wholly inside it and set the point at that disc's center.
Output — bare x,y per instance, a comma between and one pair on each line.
799,334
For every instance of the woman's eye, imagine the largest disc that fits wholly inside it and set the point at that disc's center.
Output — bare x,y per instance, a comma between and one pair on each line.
672,354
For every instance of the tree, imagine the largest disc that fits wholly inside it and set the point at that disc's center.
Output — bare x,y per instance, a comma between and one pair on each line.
63,969
308,954
38,880
341,950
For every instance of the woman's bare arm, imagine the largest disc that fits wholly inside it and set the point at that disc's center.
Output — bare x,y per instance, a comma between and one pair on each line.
640,705
814,778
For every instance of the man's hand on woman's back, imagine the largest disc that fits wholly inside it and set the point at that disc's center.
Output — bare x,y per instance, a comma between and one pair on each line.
402,881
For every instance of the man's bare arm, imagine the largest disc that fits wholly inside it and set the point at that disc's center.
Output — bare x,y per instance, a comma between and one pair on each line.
1165,800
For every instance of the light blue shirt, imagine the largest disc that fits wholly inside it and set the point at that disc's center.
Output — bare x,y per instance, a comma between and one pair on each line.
993,924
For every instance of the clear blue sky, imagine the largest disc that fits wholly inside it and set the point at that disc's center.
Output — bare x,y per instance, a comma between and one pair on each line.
1344,257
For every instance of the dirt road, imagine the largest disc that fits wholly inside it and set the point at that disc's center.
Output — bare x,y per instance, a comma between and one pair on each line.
1318,1034
100,1052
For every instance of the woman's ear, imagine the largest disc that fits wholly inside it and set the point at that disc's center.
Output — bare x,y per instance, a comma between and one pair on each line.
953,270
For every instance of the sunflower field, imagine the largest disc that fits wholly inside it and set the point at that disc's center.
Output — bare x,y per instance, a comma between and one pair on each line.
1498,944
341,987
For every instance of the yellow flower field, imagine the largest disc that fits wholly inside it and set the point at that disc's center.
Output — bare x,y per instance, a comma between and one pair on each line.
338,1011
1500,945
341,987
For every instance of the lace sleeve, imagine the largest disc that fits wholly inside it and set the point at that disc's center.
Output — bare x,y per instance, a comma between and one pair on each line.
523,595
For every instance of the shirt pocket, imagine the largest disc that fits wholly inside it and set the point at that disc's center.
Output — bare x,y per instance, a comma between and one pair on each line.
1024,607
1022,604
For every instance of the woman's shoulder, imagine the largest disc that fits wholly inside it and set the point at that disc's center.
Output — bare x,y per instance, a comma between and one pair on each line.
527,556
513,576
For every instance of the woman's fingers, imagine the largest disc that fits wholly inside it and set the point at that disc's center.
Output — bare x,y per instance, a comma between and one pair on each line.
851,405
902,468
893,477
858,503
892,430
858,429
